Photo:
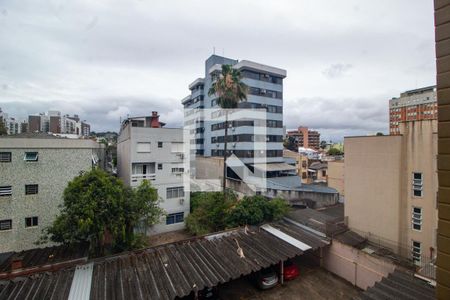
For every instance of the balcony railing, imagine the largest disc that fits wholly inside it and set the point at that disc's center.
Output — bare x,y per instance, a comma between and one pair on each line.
137,178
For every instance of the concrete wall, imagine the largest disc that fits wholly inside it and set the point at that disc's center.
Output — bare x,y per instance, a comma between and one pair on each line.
378,183
54,169
357,267
336,176
373,173
420,140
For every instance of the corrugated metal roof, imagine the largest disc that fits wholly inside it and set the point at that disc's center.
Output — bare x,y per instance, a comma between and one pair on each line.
399,285
294,183
49,286
174,270
81,283
34,258
274,167
287,238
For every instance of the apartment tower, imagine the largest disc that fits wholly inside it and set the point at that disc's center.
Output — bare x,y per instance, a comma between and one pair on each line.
413,105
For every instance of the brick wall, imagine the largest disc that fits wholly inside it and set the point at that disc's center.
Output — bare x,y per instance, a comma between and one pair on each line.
442,23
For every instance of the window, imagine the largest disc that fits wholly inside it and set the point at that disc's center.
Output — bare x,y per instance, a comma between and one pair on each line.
177,147
31,189
5,224
31,222
175,218
416,251
417,184
160,144
143,147
159,166
324,173
5,156
5,190
31,156
175,192
416,218
177,170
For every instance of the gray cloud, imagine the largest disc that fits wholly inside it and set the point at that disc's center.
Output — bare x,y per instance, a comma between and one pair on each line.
336,70
104,59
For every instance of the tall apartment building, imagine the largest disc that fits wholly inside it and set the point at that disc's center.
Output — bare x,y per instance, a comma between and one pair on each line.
34,171
442,37
54,122
306,138
147,151
265,91
413,105
391,188
11,125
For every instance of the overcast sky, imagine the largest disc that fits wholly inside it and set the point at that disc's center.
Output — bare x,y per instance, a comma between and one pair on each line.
106,59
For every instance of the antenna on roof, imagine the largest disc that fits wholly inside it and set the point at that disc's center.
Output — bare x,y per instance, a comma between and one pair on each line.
214,50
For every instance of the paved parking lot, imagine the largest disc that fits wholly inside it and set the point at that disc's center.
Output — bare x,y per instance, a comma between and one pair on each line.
313,283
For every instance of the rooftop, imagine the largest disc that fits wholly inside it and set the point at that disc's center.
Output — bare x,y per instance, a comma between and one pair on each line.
399,285
171,270
294,183
31,135
40,259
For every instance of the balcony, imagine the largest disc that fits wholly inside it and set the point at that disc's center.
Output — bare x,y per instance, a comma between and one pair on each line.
137,178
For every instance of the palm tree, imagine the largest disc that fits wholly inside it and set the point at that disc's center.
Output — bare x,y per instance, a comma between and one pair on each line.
230,90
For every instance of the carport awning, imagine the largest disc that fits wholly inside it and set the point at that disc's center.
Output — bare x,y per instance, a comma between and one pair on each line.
274,167
174,270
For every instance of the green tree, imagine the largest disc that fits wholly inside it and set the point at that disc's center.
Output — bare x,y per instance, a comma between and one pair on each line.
323,144
335,151
213,211
229,90
209,211
97,206
379,134
256,210
2,128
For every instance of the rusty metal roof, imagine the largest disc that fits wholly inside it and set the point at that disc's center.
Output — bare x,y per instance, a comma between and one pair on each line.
33,259
177,269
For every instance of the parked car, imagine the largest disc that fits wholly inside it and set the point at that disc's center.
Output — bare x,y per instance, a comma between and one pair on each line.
266,278
290,270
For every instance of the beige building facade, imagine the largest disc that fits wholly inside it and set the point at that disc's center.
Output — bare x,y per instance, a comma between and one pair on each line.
336,176
301,163
390,188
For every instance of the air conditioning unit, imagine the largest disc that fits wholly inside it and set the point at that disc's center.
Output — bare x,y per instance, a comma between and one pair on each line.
234,145
233,129
263,91
181,201
217,145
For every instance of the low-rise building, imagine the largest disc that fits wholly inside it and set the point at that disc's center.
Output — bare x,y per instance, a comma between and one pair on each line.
147,151
336,176
34,171
317,172
391,188
301,163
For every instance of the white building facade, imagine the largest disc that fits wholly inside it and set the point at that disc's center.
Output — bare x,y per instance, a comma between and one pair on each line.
147,151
